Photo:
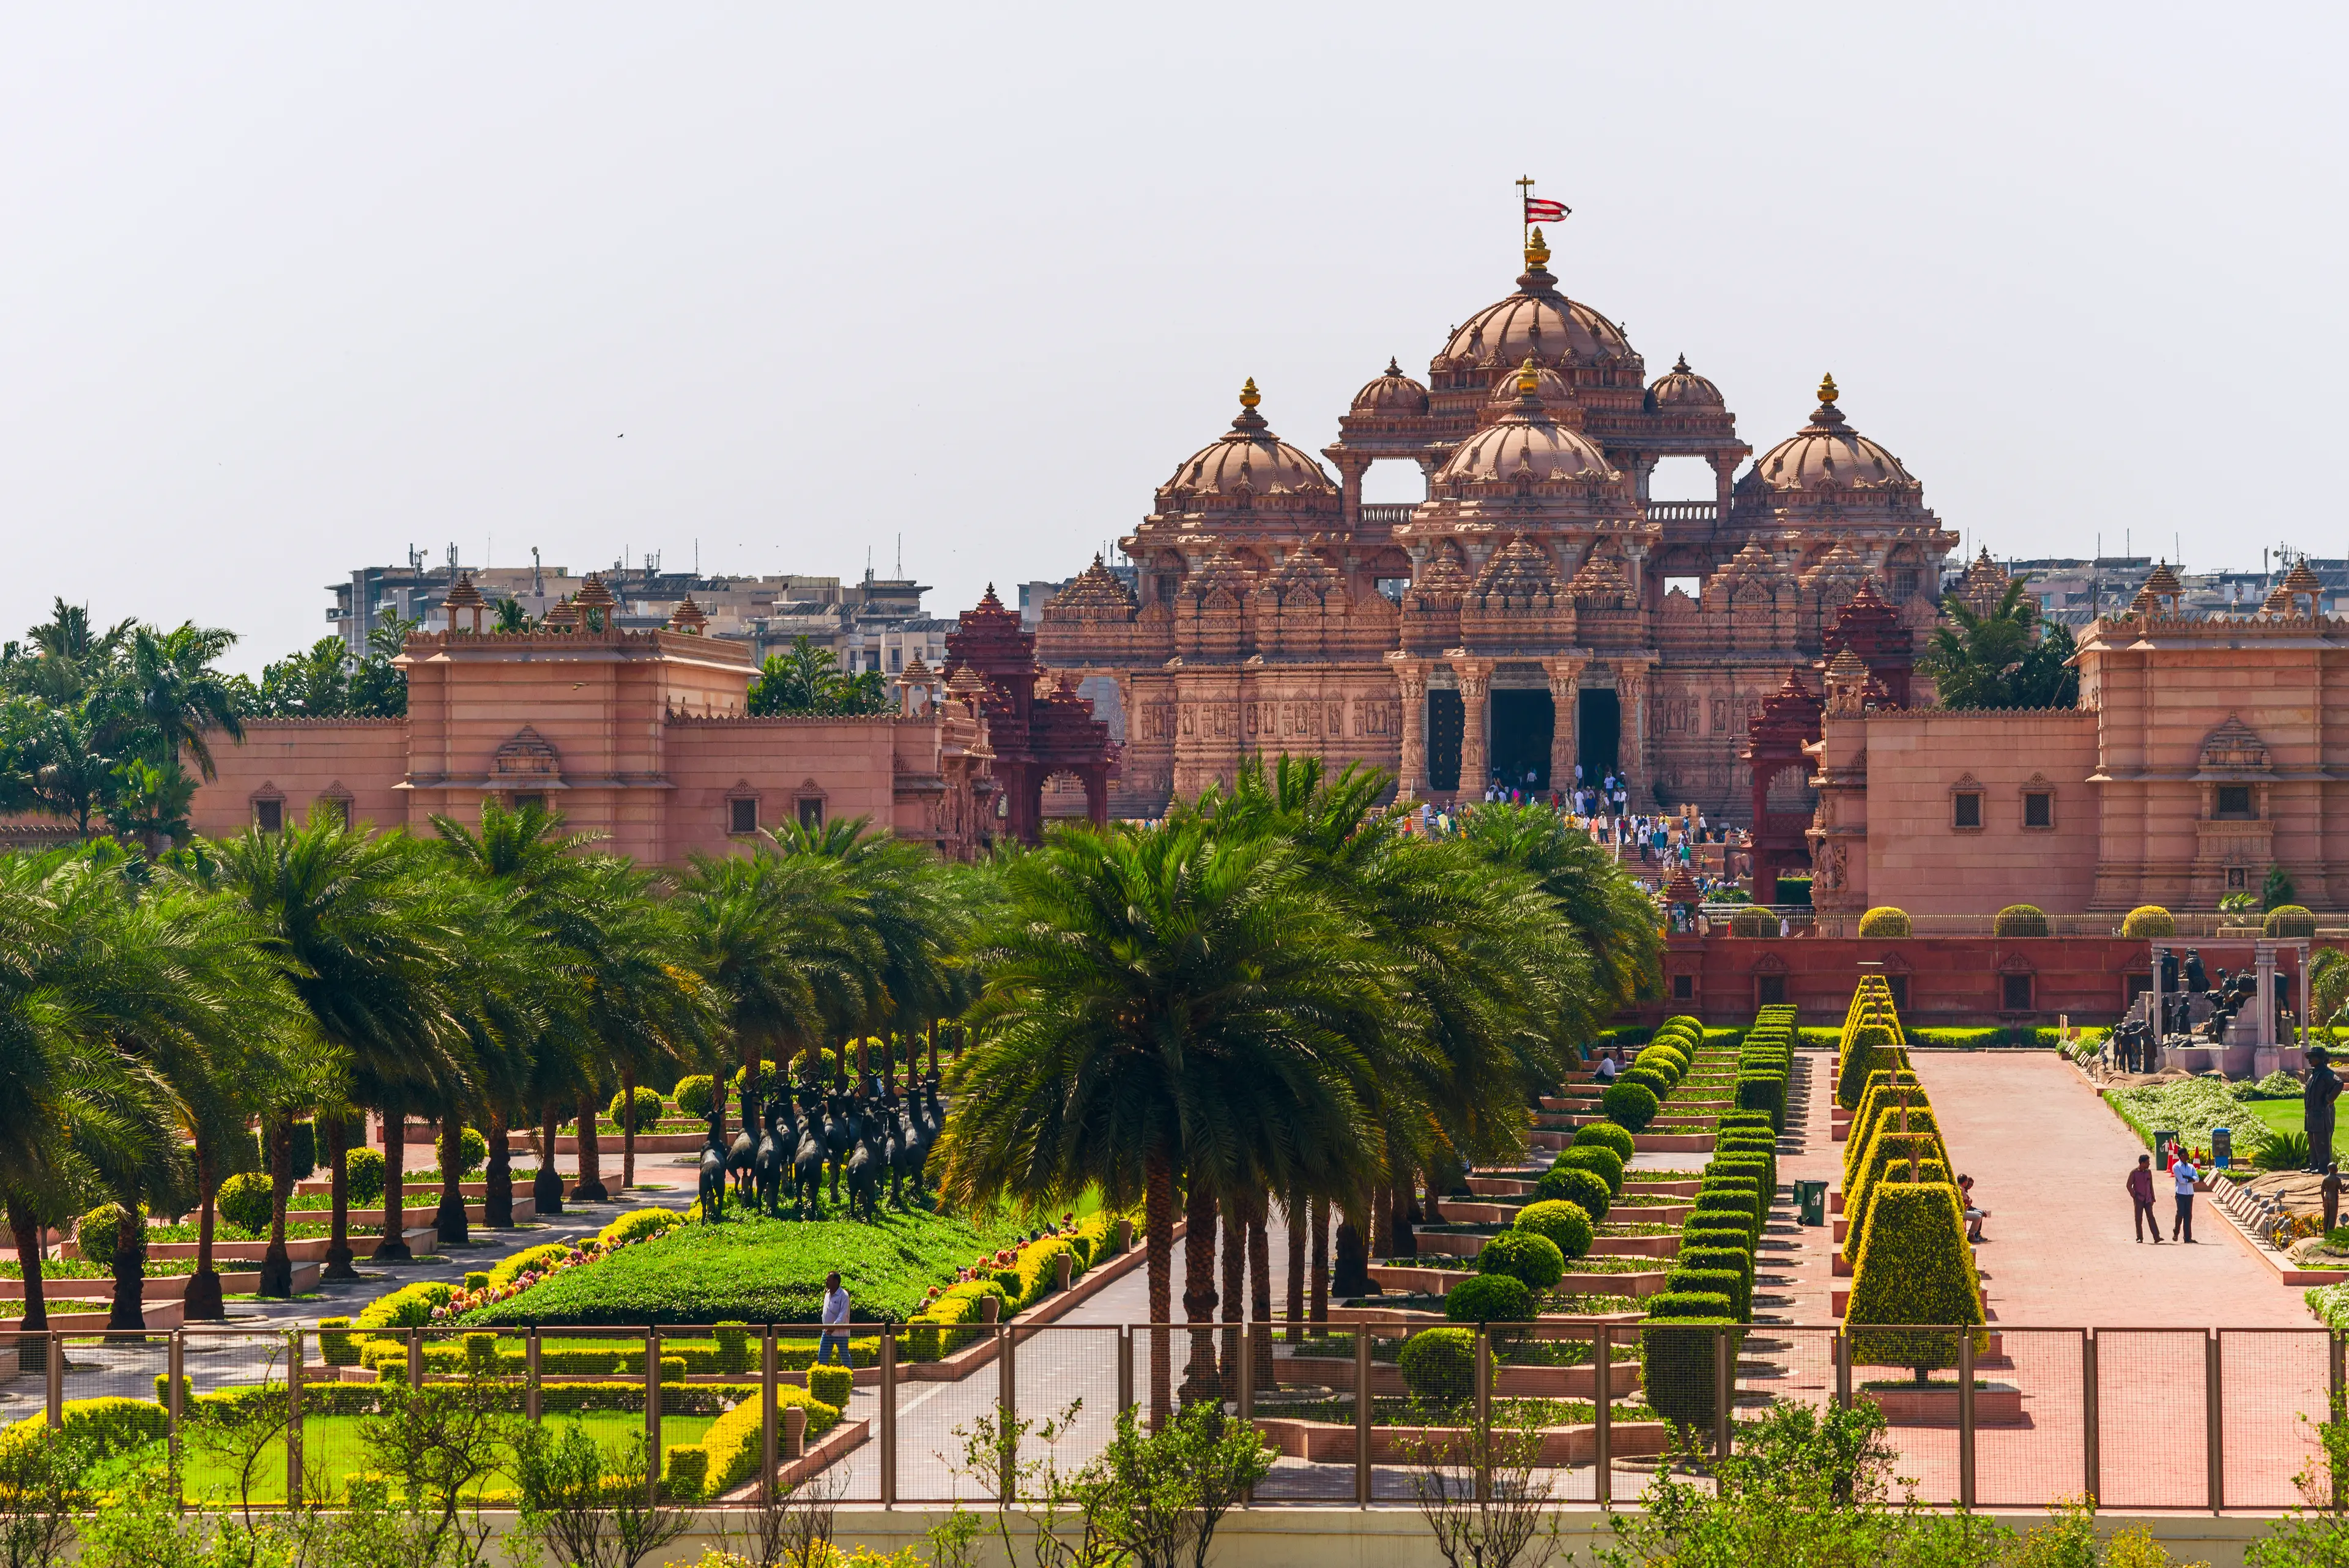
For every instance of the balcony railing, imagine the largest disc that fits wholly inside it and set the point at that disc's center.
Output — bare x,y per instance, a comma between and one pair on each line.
1682,511
1388,514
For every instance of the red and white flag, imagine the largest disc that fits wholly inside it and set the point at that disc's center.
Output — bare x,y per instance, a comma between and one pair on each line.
1540,212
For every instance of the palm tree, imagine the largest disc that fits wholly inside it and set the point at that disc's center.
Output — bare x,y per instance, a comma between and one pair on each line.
1166,1012
370,942
1610,913
171,698
806,679
2001,657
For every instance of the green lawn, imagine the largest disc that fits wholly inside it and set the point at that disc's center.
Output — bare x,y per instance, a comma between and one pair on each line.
331,1451
762,1270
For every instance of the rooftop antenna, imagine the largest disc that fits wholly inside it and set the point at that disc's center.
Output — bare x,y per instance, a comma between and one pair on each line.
537,582
901,556
696,554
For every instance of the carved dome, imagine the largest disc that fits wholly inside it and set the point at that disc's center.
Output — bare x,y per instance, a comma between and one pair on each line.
1537,320
1392,392
1548,386
1246,459
1684,389
1826,453
1525,442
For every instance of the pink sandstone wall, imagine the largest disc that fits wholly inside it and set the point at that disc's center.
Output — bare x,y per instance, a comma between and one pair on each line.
845,764
1948,982
1917,861
305,760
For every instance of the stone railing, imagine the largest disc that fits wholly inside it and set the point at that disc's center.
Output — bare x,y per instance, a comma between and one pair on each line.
1682,511
1388,514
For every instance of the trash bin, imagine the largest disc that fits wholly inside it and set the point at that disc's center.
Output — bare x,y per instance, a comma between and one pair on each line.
1813,1197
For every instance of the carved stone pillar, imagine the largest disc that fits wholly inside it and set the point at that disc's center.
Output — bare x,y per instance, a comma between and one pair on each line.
1476,676
1725,473
1631,755
1411,677
1565,679
1350,470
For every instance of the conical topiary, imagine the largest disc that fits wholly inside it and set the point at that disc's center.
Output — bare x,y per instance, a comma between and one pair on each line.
1914,1268
1872,1048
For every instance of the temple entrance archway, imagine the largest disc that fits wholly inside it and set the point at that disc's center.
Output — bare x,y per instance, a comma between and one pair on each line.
1447,719
1597,734
1522,722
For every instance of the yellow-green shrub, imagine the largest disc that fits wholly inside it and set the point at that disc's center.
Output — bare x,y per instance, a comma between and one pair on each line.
638,1224
1884,923
952,1320
734,1440
2148,921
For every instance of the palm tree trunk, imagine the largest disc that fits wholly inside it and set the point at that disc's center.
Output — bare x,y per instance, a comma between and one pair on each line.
1199,1290
129,1266
591,1166
32,1355
1234,1208
934,1049
448,1220
276,1266
1321,1307
203,1302
1403,1212
627,1129
546,1188
393,1247
1158,1243
1382,1236
497,1196
1259,1262
338,1180
1351,1275
1294,1215
1434,1209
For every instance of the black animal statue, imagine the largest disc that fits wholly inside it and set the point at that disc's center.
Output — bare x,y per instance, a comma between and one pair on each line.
837,1138
863,1164
713,1174
807,1163
767,1167
897,1144
2195,981
744,1151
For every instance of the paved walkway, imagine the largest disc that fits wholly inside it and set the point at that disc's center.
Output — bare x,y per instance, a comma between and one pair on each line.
2048,1160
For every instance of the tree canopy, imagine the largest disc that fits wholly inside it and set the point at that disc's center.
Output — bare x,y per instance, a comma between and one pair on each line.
2006,657
808,680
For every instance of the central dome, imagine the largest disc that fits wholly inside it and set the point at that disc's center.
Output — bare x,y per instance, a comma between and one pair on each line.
1537,320
1525,442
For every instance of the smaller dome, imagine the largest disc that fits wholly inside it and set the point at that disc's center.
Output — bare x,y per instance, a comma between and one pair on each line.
1526,442
1392,393
1548,386
1828,452
1684,389
1248,457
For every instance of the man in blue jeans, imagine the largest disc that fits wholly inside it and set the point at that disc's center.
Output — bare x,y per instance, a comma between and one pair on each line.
835,1322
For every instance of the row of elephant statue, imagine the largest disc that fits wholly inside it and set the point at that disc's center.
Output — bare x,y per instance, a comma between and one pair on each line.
870,1137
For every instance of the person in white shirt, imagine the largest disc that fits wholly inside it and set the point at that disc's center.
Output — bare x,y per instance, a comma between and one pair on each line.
2182,1227
1607,1067
835,1321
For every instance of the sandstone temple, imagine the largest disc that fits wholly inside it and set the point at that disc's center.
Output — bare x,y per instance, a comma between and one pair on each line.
1537,612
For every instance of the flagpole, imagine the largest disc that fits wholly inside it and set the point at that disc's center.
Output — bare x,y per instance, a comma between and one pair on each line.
1524,204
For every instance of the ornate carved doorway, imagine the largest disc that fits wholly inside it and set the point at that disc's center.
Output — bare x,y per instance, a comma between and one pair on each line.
1522,722
1598,727
1446,720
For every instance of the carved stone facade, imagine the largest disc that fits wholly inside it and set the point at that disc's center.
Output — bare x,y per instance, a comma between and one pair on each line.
1537,611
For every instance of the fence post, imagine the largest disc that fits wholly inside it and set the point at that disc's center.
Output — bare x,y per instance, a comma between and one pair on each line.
1602,1392
414,1359
888,1415
767,1435
652,1415
532,1404
2340,1385
175,1367
2213,1422
1245,1393
293,1418
2091,1461
57,1377
1724,1385
1965,1416
1843,1369
1361,1416
1481,1438
1124,1367
1006,1408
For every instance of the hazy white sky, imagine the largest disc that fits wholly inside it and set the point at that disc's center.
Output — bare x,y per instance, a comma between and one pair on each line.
287,289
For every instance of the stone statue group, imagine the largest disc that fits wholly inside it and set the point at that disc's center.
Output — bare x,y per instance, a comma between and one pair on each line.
870,1138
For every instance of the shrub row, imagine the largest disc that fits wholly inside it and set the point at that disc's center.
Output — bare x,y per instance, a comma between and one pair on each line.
1764,1059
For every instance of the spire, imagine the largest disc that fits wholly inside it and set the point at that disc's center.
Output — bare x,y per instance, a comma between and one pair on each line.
1826,416
1250,423
1680,365
1827,389
1537,251
688,617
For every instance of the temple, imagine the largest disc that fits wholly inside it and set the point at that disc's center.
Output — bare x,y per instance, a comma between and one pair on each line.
1535,614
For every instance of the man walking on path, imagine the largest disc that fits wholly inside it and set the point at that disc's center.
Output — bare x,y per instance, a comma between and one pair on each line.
835,1321
2184,1171
2140,1192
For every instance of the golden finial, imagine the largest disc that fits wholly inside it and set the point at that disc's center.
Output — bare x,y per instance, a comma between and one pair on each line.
1537,251
1827,389
1529,377
1249,396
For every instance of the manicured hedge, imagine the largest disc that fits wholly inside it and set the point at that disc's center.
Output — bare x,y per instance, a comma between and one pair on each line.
1439,1367
1914,1267
1630,1106
730,1451
1705,1259
1687,1279
1888,1160
1585,1189
1566,1224
1599,1161
1605,1134
1526,1256
1872,1048
1489,1298
1677,1366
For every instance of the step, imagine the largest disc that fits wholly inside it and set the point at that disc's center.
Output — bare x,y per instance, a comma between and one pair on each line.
169,1288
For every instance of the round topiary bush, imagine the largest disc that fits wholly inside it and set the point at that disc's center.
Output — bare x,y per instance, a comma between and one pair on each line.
1585,1189
243,1201
1664,1061
648,1108
1884,922
1648,1078
1753,923
2289,920
473,1151
2148,921
1606,1135
1523,1255
363,1175
1439,1367
1489,1298
1630,1106
1600,1161
767,1079
107,1227
1565,1223
693,1094
2019,920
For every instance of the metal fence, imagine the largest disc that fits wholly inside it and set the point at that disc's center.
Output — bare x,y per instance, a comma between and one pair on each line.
1359,1411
